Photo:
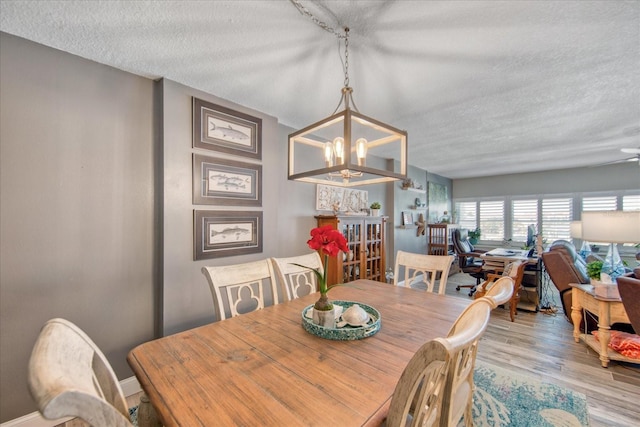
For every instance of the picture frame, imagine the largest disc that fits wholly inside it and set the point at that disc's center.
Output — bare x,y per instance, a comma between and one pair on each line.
226,182
218,128
407,218
219,234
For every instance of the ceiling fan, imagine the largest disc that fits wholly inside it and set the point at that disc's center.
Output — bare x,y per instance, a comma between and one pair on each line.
634,151
634,158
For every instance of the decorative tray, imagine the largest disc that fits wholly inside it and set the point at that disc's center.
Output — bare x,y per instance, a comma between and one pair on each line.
345,333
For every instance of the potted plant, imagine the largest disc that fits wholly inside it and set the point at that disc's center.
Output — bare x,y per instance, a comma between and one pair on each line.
329,242
474,235
375,208
594,268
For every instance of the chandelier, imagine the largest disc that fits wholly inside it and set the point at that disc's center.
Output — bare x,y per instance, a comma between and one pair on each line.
346,149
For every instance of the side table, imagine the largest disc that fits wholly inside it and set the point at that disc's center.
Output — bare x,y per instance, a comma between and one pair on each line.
608,310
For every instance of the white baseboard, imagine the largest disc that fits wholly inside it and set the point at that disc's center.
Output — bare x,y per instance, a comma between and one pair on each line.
130,386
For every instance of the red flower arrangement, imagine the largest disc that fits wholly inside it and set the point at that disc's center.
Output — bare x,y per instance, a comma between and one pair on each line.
330,242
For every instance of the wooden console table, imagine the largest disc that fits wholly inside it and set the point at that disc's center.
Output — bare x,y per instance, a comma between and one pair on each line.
608,310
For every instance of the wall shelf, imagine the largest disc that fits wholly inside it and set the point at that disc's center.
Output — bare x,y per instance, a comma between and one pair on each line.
415,190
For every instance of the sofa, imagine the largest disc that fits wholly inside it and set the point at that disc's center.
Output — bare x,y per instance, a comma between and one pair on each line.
565,266
629,287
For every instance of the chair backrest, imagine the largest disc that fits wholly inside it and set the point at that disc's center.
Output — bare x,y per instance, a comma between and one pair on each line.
419,390
297,281
68,376
515,270
240,288
500,291
462,345
461,246
429,266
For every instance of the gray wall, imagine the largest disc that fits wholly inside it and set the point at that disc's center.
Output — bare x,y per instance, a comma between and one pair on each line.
622,176
76,207
187,299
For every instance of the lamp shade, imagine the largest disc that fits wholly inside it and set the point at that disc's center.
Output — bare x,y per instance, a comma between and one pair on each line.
611,226
576,229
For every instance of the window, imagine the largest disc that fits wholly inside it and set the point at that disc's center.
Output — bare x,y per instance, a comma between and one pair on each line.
467,215
523,214
599,203
556,217
631,203
492,220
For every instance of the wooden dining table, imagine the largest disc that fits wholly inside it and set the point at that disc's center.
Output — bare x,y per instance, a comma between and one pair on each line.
263,368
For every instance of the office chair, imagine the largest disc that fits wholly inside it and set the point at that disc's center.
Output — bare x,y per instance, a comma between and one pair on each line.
469,259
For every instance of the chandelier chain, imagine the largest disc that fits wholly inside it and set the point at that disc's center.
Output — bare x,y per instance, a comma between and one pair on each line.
304,11
346,57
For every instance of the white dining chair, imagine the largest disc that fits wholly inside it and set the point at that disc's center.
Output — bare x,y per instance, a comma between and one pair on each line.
423,267
417,398
296,281
462,343
68,376
240,288
500,291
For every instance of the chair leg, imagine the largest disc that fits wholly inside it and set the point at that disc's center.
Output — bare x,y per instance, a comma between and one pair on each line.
513,304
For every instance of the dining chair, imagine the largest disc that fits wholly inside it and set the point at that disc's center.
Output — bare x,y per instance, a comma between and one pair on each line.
462,345
240,288
296,281
68,376
426,266
416,400
514,270
500,291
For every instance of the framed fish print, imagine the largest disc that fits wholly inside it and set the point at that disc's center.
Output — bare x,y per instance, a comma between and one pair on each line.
221,129
226,182
219,234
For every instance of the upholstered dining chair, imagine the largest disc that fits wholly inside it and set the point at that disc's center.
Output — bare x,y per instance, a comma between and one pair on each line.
240,288
297,281
428,266
462,344
469,259
514,270
68,376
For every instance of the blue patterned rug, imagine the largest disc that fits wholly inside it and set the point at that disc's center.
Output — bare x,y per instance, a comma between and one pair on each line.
505,399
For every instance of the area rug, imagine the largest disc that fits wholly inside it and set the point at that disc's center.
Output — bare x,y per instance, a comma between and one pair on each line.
502,398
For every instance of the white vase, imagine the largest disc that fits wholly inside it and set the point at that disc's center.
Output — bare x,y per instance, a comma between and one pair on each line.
326,318
375,212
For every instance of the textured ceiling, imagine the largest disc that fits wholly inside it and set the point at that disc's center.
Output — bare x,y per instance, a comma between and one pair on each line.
482,87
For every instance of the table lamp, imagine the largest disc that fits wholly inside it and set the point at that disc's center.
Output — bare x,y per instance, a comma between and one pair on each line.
576,233
612,227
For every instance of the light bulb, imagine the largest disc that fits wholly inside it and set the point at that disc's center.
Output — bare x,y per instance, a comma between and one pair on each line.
338,147
361,151
328,154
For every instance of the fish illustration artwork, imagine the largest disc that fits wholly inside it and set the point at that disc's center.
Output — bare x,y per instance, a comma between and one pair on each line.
229,132
232,231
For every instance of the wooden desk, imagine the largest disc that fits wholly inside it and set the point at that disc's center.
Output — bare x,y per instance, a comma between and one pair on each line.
496,259
608,310
263,368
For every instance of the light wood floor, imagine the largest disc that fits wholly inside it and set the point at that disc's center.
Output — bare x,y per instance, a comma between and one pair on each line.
542,346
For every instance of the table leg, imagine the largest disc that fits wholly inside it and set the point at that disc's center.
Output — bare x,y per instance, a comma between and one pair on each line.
576,313
604,334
